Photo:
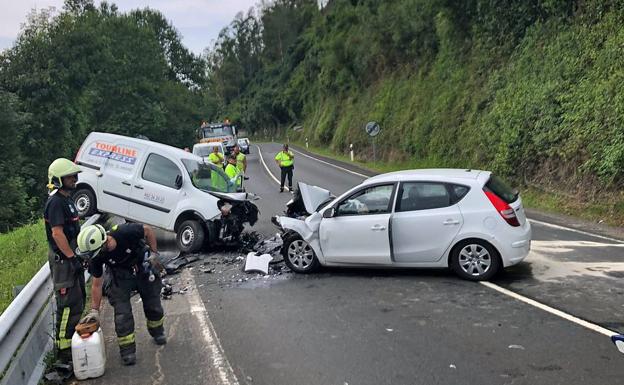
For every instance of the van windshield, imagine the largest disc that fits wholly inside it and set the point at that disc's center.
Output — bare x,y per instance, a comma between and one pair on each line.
208,177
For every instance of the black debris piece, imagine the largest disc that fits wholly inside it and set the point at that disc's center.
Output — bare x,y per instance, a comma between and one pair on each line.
173,265
269,246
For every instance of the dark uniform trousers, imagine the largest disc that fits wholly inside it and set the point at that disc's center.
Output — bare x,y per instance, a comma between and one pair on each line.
287,171
124,281
70,295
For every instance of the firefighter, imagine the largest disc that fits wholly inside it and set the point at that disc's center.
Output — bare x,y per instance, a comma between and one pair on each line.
130,252
62,228
285,160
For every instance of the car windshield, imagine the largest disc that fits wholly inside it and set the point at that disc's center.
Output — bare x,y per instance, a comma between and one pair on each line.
204,151
208,177
244,142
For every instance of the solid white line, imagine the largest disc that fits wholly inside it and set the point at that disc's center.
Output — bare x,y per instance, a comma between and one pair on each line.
267,168
559,227
333,165
219,362
558,313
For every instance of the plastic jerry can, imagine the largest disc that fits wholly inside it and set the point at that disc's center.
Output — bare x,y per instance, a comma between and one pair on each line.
88,355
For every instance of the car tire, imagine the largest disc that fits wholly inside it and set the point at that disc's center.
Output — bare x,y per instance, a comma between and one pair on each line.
475,260
84,200
298,254
190,236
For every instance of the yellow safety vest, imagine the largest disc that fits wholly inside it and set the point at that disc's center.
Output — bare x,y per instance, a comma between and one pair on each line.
239,161
216,158
232,171
286,158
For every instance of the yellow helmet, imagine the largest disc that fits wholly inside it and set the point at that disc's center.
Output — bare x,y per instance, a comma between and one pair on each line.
60,168
90,241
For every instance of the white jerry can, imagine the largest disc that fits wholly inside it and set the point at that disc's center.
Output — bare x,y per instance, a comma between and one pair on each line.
88,355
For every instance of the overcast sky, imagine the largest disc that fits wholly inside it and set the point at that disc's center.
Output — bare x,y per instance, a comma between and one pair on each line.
198,21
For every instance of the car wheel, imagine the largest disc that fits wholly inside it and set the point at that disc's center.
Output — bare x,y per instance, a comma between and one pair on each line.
190,236
298,254
85,202
475,260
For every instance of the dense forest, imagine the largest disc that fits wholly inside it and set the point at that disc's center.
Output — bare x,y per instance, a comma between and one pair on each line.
532,89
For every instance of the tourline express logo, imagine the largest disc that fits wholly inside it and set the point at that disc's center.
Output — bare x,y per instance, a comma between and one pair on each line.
118,153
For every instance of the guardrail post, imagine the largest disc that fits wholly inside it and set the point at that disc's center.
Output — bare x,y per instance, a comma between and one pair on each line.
351,151
306,142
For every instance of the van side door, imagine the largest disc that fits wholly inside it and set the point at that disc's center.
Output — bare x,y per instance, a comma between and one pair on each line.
154,192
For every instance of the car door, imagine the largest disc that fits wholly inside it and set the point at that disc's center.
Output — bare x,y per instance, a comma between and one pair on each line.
155,193
115,176
426,220
358,233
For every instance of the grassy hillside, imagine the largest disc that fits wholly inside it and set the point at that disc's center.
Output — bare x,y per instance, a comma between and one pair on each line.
22,253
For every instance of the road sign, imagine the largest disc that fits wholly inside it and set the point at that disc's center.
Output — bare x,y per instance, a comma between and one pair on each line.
372,129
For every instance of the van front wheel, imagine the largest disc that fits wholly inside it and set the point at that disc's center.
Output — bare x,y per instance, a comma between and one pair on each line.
84,200
190,236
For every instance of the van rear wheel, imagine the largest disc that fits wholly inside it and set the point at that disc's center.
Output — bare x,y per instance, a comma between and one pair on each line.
190,236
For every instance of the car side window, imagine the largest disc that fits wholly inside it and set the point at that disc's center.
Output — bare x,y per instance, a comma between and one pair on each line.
161,170
370,200
423,196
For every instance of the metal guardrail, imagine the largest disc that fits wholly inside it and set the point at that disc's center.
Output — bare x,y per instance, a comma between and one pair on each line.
27,329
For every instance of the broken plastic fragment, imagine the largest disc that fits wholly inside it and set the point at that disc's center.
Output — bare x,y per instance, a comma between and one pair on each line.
257,263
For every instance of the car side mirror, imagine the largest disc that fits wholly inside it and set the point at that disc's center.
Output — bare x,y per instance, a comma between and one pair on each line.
329,213
178,181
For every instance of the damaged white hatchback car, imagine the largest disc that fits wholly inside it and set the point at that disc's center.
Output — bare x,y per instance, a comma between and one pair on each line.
468,220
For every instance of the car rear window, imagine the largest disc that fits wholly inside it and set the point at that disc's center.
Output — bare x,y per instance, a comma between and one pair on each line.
501,189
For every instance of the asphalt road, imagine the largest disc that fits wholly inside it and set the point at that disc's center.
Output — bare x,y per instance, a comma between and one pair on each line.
358,326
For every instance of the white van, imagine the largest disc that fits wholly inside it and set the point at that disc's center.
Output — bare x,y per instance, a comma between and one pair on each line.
162,186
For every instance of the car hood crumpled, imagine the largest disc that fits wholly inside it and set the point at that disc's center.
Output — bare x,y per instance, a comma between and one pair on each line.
313,196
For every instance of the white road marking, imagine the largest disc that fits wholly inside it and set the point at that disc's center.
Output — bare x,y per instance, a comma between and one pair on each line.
558,313
333,165
219,362
502,290
559,227
267,168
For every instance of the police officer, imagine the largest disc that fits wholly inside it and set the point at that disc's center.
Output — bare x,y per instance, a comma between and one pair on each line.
62,228
130,252
285,160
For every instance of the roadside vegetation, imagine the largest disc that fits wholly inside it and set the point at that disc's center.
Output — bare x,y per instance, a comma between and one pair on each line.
22,253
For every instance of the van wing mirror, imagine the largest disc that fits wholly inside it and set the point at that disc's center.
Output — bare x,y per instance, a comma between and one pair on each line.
329,213
178,181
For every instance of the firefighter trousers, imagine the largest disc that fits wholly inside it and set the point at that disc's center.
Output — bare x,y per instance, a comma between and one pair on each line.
124,282
69,306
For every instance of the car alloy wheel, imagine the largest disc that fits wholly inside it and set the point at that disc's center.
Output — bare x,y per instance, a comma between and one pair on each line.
300,254
475,260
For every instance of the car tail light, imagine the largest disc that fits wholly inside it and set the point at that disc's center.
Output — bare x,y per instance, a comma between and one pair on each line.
503,208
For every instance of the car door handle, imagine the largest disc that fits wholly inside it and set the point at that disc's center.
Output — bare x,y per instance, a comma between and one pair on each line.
450,222
138,186
125,183
378,228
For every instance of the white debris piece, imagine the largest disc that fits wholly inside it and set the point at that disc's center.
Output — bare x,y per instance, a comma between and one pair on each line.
257,263
516,347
